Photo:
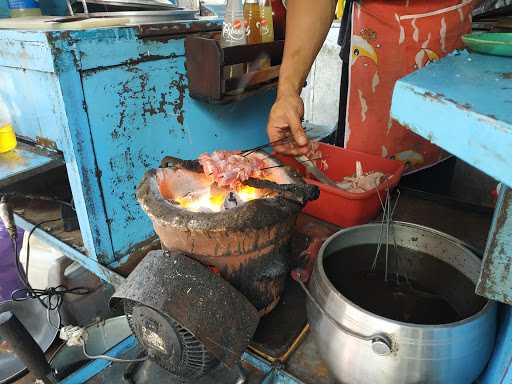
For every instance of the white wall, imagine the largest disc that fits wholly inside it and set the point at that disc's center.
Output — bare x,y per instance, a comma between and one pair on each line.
321,96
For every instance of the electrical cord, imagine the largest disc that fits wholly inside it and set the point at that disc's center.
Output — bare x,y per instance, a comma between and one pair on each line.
54,295
75,336
110,358
28,196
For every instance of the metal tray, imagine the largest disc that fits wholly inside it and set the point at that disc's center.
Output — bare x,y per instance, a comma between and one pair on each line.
138,17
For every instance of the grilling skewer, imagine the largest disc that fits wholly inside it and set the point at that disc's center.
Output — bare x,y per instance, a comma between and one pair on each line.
282,140
310,166
284,165
313,169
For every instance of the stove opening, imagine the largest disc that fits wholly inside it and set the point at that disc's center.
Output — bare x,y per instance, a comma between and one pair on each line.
205,192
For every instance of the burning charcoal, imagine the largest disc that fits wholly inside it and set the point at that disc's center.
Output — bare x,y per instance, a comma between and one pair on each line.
202,186
248,244
232,200
197,201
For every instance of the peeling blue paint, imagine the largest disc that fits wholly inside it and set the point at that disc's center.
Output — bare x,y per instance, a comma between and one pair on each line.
496,277
115,104
463,104
456,102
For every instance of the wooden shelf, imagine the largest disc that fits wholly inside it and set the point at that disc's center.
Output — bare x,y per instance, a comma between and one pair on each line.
207,60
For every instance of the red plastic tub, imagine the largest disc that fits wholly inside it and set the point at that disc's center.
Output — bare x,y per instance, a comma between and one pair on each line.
337,206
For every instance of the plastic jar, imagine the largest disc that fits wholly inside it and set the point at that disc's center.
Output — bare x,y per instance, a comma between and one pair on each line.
7,136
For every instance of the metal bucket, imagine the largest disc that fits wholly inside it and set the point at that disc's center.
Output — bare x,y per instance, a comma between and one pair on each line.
360,346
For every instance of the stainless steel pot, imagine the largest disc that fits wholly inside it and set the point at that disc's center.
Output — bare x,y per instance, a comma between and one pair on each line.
361,347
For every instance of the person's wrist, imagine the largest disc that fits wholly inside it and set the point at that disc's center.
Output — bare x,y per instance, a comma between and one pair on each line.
288,89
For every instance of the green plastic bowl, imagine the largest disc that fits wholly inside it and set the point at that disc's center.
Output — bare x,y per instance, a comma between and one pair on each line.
498,44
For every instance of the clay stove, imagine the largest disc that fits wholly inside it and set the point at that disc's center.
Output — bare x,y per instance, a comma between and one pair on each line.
243,235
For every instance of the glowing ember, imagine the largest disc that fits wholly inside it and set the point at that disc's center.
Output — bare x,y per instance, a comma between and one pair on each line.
214,199
248,193
220,186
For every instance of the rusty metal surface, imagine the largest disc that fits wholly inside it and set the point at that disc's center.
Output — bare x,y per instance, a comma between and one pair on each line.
135,255
204,303
24,162
479,128
166,31
306,364
114,101
496,276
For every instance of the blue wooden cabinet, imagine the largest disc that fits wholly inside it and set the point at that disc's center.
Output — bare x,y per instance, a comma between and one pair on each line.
114,101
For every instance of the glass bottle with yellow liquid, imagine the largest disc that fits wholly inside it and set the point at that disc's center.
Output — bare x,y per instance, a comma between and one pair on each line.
267,22
266,29
252,16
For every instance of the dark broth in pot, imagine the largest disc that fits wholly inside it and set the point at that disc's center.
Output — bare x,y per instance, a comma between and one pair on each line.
420,289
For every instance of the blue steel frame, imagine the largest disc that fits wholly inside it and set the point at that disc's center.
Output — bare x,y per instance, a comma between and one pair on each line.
115,102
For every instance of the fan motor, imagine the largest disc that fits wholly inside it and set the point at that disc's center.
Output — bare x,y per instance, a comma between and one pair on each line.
167,342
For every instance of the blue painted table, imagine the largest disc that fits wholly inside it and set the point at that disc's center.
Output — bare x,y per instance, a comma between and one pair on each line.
114,101
463,103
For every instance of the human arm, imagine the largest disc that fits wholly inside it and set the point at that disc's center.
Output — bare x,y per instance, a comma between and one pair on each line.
307,25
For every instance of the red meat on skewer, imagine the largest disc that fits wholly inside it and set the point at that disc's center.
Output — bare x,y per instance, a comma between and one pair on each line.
230,168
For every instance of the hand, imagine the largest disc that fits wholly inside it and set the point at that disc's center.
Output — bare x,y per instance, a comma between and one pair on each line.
285,123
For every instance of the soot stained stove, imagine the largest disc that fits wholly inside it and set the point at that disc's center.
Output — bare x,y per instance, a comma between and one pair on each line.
224,262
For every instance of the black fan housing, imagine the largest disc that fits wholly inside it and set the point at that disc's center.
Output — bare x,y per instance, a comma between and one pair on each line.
168,343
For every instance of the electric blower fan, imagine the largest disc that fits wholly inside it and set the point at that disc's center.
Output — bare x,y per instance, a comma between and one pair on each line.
187,318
